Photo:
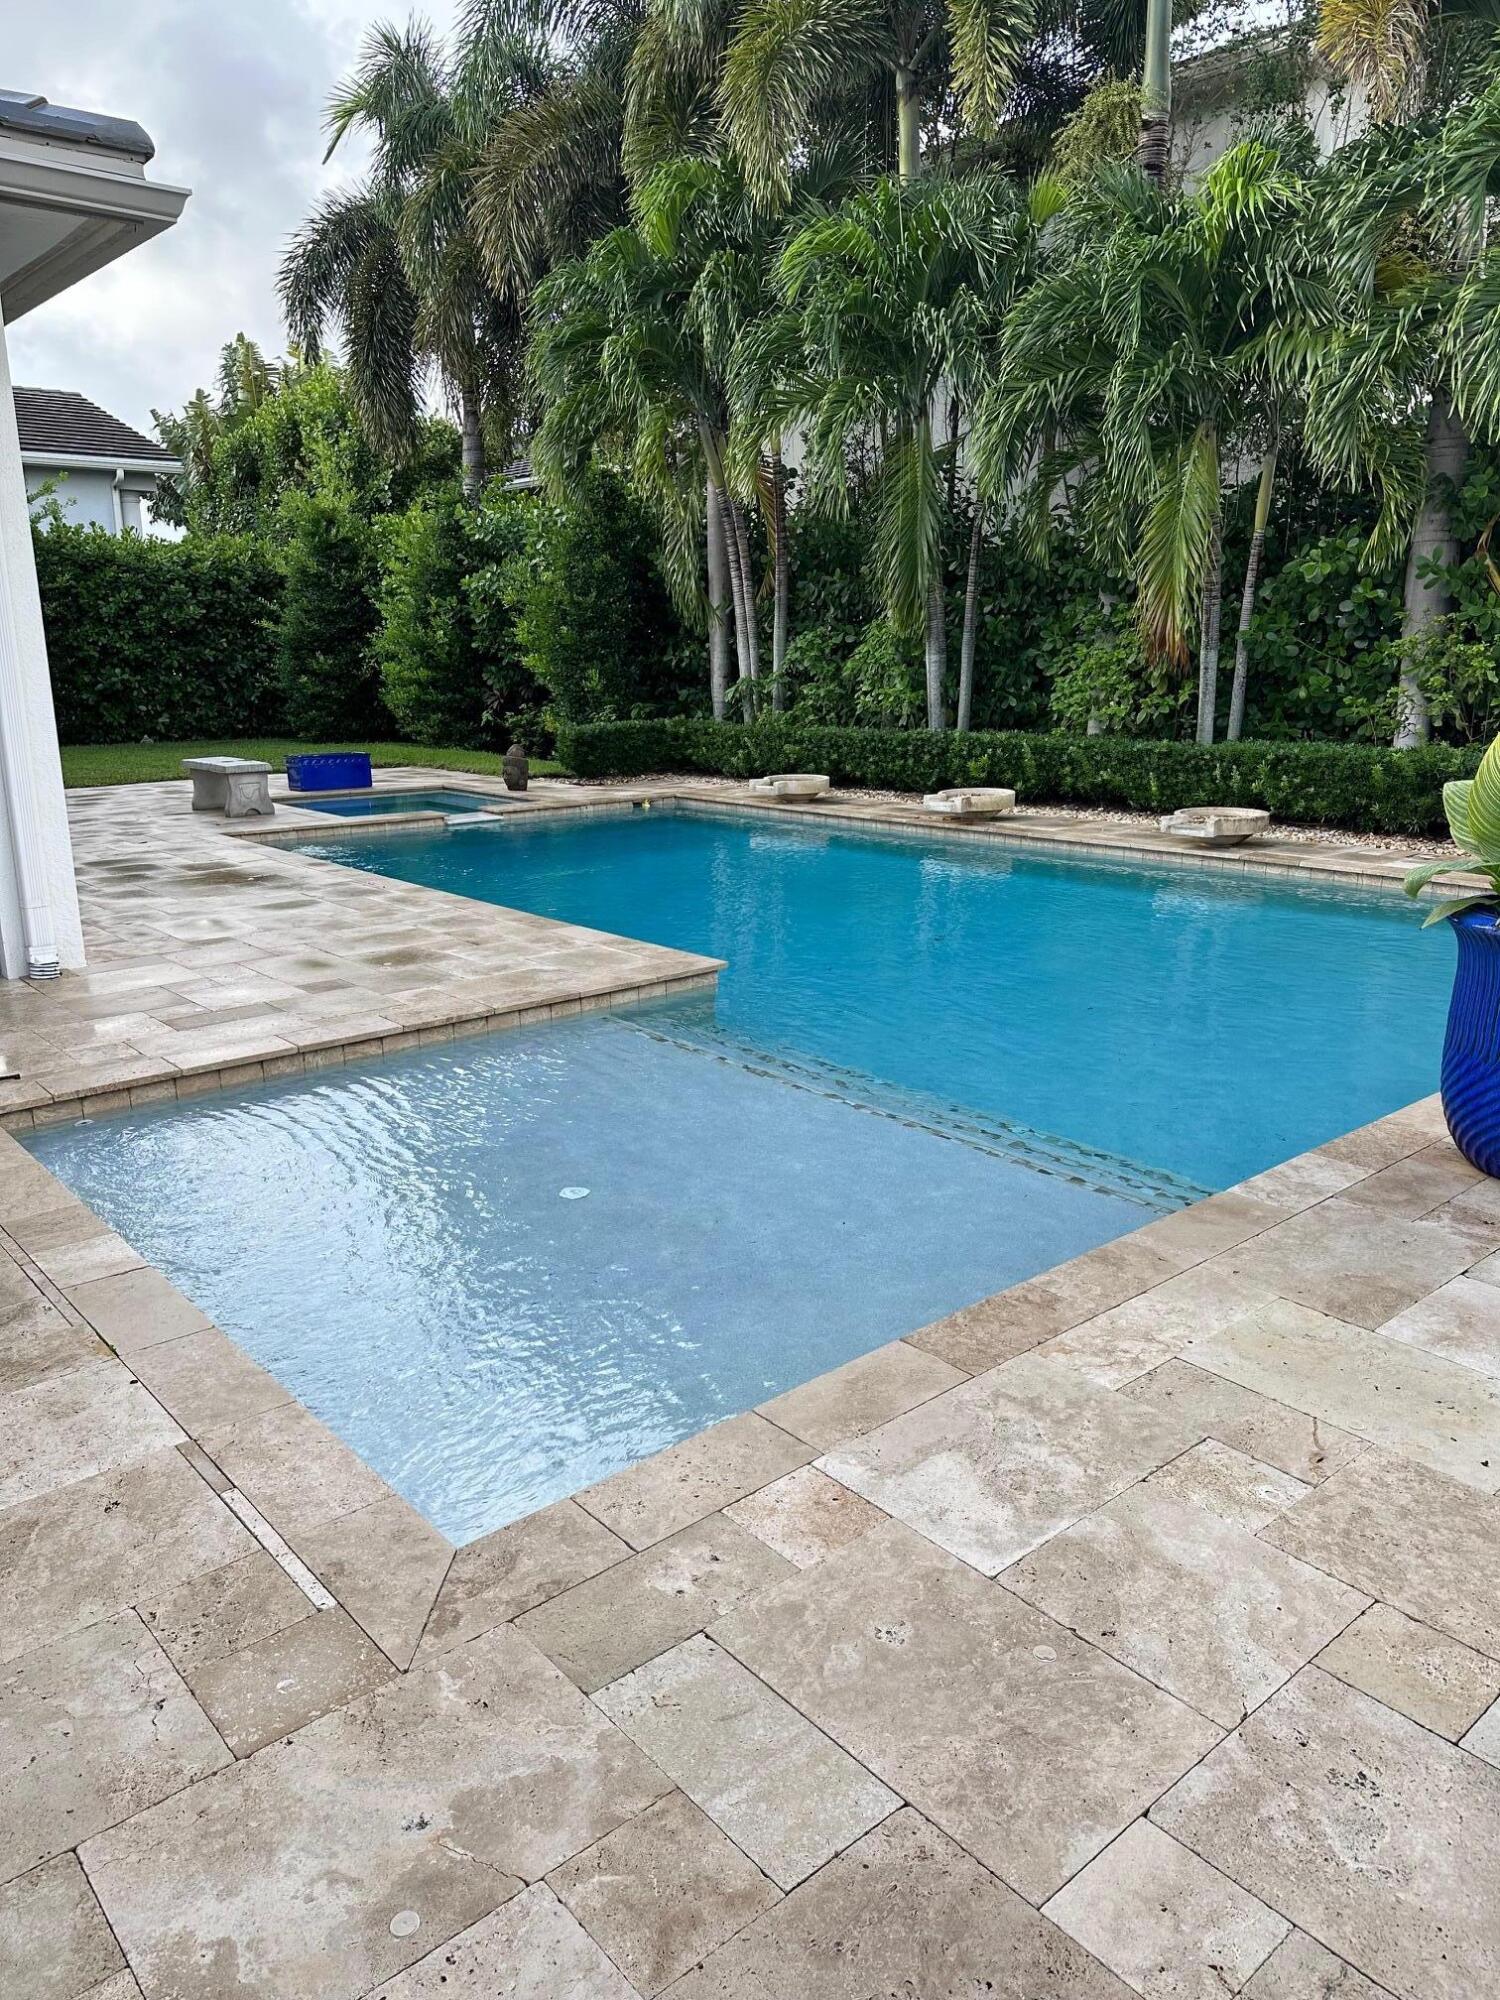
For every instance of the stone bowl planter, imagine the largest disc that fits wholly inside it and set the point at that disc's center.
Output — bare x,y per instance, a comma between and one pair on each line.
791,785
972,802
1216,826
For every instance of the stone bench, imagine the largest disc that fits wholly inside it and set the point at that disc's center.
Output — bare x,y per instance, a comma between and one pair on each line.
238,787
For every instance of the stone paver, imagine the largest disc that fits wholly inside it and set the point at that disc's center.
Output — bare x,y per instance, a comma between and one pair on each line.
385,1565
1370,1833
1191,1600
295,1470
662,1495
531,1948
37,1341
217,1612
904,1912
992,1468
1130,1340
867,1391
663,1892
204,1380
1408,1666
1484,1738
778,1787
90,1548
1301,1969
1012,1322
1303,1446
93,1728
510,1571
1354,1262
1383,1390
270,1686
1171,1926
54,1942
1227,1482
1460,1321
626,1615
73,1426
1404,1533
1029,1746
805,1516
137,1310
292,1872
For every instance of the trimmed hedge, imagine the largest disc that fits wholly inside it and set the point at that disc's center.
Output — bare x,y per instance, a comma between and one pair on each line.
149,638
1351,785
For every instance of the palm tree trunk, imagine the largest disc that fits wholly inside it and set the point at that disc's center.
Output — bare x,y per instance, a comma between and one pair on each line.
739,558
1247,595
908,136
971,623
718,605
783,578
1156,91
1208,646
1432,541
936,651
473,444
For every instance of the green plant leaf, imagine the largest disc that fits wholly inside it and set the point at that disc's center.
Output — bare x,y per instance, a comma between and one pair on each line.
1418,878
1441,911
1483,802
1456,806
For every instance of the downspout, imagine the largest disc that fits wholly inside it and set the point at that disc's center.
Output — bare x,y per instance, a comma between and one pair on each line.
114,493
21,809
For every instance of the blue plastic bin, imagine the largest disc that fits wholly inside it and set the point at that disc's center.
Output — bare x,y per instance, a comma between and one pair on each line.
329,771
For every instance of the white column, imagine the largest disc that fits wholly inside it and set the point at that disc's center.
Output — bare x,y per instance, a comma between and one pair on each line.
39,924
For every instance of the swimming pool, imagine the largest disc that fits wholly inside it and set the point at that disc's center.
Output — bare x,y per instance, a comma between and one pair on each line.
389,802
505,1268
1194,1026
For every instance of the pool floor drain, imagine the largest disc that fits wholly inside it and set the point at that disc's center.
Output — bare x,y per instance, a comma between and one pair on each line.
571,1194
404,1923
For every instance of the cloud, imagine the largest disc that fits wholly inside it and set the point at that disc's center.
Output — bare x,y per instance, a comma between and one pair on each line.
232,92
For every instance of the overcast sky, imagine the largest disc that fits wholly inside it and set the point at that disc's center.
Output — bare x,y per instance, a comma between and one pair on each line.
232,92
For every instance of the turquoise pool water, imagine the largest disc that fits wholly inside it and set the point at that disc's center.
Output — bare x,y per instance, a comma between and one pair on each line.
504,1268
386,802
507,1267
1193,1025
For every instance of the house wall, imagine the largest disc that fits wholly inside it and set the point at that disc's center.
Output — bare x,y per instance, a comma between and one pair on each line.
86,495
38,894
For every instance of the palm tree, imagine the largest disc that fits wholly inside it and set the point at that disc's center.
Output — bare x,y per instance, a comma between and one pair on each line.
394,263
1165,331
888,299
628,362
1410,377
793,62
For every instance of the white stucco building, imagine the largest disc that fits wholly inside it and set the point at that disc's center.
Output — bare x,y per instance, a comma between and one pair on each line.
74,195
97,471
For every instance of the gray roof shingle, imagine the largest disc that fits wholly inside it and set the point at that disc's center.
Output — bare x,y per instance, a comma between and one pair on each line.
63,424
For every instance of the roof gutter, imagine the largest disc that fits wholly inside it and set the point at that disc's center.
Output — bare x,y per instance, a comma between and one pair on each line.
77,461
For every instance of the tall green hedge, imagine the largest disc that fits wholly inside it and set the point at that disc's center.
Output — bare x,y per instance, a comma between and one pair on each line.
150,638
1351,785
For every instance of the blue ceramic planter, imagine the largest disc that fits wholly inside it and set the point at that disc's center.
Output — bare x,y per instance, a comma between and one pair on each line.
1471,1050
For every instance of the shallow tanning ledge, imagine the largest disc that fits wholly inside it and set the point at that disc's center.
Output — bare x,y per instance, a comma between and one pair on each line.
1216,826
972,802
791,785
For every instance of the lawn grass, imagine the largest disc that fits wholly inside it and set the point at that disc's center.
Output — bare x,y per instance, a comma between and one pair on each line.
147,763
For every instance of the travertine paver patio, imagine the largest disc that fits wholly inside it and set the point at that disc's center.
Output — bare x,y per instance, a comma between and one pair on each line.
1135,1631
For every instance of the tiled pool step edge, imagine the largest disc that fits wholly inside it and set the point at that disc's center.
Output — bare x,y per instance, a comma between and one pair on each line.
183,1081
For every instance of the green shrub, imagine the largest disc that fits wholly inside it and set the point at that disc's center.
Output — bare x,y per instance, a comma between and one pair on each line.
1350,785
450,663
328,671
1107,681
1315,645
594,623
150,638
